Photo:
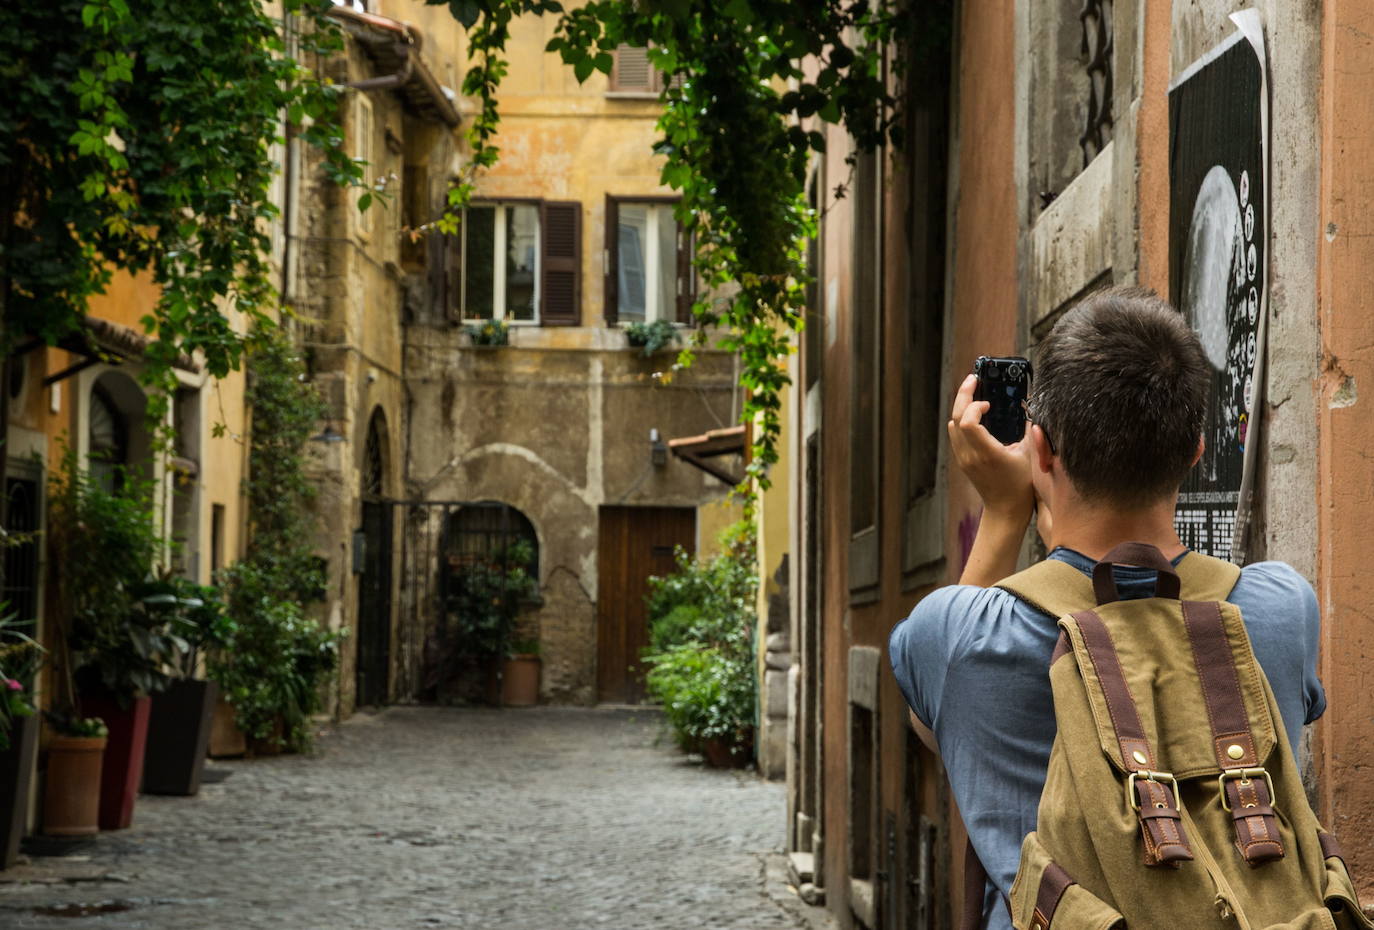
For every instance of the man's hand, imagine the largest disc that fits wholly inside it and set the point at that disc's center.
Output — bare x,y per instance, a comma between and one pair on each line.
1001,474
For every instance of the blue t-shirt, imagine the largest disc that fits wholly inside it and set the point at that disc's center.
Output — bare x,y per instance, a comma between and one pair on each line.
973,663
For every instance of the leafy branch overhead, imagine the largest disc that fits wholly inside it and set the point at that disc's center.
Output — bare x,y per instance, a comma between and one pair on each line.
139,135
752,83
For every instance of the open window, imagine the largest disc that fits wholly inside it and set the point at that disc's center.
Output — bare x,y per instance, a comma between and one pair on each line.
648,262
517,261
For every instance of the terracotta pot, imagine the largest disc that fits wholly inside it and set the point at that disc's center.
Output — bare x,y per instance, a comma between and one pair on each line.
16,783
71,801
520,681
178,736
226,739
122,772
728,754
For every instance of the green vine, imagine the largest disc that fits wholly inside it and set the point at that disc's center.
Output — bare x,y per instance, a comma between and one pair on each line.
741,121
136,135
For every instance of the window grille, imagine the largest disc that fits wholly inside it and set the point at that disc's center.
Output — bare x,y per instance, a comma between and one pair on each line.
1097,50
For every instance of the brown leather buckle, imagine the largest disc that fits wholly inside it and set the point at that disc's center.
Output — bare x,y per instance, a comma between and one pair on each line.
1157,778
1244,775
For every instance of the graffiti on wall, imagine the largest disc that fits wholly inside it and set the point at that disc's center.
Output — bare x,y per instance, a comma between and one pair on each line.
1218,217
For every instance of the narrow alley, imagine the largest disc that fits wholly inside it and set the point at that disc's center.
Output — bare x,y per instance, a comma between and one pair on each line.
428,817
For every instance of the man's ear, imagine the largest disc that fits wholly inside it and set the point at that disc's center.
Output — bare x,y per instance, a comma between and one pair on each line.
1040,448
1201,448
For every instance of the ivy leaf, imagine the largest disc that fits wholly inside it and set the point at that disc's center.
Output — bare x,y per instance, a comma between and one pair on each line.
583,68
467,12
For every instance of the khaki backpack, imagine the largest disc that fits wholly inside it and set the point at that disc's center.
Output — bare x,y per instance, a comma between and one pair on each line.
1172,800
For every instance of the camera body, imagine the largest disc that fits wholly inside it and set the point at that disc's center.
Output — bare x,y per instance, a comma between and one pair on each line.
1005,384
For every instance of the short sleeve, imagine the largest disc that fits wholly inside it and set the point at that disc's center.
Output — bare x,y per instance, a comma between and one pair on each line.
918,649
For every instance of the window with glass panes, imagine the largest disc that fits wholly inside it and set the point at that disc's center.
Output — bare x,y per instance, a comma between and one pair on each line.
648,263
518,261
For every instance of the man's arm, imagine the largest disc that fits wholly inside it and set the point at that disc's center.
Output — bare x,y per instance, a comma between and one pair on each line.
1001,475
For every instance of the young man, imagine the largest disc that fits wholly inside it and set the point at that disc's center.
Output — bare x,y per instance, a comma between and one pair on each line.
1117,411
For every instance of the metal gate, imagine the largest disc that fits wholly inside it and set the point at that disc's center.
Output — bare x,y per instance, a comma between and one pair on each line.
437,539
374,605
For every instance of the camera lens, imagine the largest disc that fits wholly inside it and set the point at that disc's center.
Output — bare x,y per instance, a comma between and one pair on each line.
1015,371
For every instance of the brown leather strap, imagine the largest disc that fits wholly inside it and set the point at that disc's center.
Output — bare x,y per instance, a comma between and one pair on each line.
1257,829
1330,848
1141,555
1161,825
1054,881
975,884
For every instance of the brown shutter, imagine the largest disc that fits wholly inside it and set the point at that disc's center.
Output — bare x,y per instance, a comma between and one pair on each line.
686,276
561,290
611,260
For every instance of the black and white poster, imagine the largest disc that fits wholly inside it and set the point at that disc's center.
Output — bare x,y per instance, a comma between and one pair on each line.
1218,261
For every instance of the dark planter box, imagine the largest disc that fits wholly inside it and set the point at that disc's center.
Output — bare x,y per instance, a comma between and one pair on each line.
16,782
122,770
179,737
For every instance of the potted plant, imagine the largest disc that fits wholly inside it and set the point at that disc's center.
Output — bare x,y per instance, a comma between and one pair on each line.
488,333
20,657
520,674
112,649
182,715
275,659
484,597
650,337
72,791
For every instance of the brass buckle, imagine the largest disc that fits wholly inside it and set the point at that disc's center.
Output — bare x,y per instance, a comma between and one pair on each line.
1155,777
1244,775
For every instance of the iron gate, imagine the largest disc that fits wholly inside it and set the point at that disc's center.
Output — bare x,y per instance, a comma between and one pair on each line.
437,539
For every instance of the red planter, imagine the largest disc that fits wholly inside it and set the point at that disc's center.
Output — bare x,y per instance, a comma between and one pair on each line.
122,770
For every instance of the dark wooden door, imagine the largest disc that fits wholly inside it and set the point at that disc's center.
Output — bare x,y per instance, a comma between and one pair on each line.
635,543
374,606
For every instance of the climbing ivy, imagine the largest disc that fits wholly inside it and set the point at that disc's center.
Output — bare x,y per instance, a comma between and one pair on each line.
136,135
752,83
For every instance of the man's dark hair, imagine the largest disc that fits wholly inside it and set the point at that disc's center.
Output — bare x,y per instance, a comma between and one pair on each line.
1120,388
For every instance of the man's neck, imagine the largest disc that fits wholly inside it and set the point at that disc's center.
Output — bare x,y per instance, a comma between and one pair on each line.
1095,530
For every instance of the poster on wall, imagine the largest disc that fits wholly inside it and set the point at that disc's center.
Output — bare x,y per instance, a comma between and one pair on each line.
1218,267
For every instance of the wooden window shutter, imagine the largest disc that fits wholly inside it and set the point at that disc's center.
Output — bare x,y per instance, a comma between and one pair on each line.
632,71
611,261
686,277
561,287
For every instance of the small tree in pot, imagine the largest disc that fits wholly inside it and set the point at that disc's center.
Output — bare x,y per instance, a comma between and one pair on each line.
112,650
484,598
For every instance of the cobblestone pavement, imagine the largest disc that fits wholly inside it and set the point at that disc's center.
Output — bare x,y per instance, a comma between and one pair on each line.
556,819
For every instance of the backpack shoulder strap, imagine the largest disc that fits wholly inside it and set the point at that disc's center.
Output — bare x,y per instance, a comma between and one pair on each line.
1057,588
1205,578
1053,587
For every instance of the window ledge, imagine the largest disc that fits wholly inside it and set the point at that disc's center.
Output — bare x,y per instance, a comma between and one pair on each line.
631,95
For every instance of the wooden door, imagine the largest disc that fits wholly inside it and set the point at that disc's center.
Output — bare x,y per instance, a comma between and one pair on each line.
634,543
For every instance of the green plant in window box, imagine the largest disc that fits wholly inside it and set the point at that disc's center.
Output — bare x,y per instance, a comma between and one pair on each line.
488,333
651,336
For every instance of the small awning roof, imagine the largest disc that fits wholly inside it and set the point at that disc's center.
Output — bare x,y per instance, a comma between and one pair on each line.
97,340
393,45
695,450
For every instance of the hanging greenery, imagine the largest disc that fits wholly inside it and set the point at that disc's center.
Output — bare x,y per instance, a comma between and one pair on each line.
137,135
752,83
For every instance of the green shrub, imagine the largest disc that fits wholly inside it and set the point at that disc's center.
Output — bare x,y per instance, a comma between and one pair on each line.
706,692
701,655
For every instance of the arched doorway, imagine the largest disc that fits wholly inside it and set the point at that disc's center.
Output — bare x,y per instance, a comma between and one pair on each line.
373,678
116,431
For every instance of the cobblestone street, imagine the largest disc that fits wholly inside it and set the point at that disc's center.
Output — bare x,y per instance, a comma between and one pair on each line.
418,817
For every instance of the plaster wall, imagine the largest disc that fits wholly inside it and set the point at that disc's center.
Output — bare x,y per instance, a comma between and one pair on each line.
557,433
1345,242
